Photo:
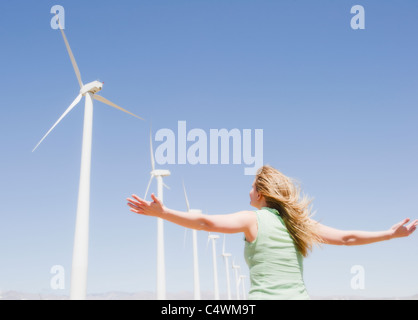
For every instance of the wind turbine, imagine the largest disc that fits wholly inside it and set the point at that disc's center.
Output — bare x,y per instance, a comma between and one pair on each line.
241,279
226,256
213,237
81,237
159,174
236,269
195,257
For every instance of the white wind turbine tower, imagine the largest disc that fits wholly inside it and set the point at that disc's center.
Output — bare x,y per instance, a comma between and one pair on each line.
213,237
195,257
236,269
159,174
81,237
241,279
226,256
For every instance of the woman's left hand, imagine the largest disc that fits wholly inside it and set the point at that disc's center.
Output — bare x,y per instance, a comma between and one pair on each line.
399,230
141,206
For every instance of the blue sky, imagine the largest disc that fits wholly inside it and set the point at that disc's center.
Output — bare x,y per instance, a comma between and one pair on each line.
338,109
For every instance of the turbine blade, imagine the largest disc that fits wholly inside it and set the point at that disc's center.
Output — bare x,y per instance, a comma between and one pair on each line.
188,209
207,243
166,186
223,246
184,239
104,100
149,184
77,71
72,105
185,196
151,150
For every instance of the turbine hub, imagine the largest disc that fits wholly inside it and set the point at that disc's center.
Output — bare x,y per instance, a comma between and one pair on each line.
92,87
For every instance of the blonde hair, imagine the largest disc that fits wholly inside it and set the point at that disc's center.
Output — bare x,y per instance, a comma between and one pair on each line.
283,194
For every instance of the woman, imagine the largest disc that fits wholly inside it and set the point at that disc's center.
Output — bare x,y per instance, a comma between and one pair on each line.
277,235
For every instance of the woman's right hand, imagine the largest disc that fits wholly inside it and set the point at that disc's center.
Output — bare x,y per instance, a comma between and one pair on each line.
141,206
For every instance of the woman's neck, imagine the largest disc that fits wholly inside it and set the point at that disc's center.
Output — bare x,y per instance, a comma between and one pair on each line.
262,204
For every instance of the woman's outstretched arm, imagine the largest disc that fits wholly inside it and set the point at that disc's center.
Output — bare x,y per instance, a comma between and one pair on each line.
242,221
356,238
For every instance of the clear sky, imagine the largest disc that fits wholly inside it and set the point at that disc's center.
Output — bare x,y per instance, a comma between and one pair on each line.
338,108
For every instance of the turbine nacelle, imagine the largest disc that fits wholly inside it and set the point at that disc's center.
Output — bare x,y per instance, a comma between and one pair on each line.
234,266
92,87
160,173
213,236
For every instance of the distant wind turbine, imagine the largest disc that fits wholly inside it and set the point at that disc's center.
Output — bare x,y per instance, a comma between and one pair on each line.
241,279
81,237
213,237
159,174
225,257
236,269
195,256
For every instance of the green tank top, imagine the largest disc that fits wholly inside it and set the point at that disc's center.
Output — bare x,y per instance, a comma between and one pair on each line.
275,264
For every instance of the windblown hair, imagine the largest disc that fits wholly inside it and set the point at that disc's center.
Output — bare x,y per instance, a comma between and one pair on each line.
283,194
